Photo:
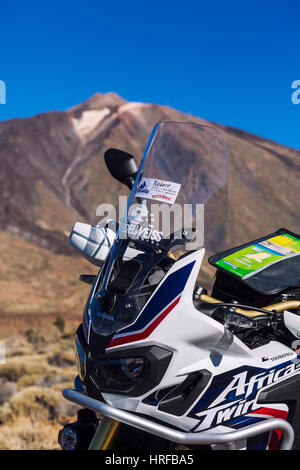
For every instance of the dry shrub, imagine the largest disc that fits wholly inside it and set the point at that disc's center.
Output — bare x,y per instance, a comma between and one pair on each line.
25,435
62,359
53,379
16,367
7,390
35,336
29,380
32,409
60,324
17,345
34,403
24,351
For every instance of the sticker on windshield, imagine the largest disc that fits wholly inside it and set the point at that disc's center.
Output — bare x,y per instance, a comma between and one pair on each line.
158,190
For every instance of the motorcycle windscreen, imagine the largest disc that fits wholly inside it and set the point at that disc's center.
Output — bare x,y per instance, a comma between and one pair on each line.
180,193
179,196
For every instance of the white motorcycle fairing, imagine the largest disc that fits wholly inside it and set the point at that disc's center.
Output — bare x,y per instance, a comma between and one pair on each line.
200,343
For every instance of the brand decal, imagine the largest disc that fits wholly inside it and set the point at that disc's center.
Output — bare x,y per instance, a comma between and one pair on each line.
106,316
276,358
239,396
159,190
143,188
163,196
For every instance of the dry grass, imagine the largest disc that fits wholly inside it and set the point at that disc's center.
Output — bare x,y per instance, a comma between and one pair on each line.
23,434
39,365
18,367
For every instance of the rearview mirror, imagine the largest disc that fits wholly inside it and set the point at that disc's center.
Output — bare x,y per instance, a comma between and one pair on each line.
122,166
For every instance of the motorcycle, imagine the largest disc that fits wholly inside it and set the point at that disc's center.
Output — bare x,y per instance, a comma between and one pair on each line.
161,363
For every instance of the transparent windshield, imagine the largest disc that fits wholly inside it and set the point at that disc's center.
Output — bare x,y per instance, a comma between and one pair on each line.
181,189
179,196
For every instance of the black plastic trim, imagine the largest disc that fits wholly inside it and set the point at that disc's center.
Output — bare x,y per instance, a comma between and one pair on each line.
179,400
287,392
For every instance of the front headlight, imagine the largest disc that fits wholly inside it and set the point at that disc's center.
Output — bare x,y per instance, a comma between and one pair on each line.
68,438
120,374
78,435
133,368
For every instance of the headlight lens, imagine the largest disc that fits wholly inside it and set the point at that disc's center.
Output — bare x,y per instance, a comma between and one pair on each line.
133,368
120,374
67,438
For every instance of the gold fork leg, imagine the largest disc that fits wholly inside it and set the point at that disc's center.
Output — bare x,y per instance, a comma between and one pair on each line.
105,435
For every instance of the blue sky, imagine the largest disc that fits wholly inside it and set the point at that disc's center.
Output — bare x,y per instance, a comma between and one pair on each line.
230,61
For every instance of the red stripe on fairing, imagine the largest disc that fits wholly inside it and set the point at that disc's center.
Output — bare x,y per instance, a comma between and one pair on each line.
276,435
147,332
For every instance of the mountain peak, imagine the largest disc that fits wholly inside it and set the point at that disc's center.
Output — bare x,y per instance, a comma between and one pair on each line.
98,101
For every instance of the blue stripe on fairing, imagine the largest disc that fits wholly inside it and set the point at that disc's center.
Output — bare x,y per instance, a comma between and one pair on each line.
245,420
169,290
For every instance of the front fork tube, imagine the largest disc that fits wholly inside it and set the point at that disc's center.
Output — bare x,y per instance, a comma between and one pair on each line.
105,435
